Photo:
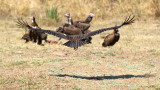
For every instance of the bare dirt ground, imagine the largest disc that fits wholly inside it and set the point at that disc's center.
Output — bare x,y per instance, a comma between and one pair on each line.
133,63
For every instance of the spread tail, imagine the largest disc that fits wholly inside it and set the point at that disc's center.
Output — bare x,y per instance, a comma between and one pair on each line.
74,44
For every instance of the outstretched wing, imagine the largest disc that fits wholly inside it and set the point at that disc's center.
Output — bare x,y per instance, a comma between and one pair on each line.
23,24
127,21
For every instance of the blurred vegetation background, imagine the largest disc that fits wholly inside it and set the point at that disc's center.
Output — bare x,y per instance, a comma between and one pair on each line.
52,11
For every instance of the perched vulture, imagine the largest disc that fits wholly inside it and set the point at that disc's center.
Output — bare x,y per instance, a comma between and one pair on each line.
26,37
36,35
75,41
111,39
83,25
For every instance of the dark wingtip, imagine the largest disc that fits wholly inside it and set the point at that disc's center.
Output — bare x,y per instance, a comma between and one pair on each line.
129,20
21,23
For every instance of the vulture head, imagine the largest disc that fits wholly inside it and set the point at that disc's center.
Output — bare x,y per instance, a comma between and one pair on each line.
67,15
91,15
89,18
32,18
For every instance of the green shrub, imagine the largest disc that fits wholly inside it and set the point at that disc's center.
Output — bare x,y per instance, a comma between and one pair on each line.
52,13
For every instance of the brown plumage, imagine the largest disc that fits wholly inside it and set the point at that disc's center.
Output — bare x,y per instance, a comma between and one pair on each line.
87,40
36,35
71,30
111,39
75,41
82,25
88,19
68,29
26,37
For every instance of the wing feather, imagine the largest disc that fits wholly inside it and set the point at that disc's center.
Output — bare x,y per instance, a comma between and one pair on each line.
23,24
127,21
54,33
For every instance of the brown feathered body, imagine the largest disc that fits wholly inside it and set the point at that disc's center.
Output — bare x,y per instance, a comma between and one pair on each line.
36,35
88,19
71,30
87,40
111,39
82,26
26,37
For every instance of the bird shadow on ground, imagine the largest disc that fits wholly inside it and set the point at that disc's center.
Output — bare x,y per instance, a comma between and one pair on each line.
127,76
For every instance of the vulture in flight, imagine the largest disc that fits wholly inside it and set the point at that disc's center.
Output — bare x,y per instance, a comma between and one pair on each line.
75,41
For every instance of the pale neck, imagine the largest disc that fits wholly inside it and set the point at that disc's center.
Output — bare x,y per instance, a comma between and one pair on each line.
69,21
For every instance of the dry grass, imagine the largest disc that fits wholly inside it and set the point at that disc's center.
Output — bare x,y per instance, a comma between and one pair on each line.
127,65
103,9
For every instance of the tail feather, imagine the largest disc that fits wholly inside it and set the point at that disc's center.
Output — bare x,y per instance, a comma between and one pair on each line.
74,44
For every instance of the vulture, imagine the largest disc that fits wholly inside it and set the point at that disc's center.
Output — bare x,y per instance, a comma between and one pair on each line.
88,19
36,35
26,37
83,25
69,28
75,41
111,39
